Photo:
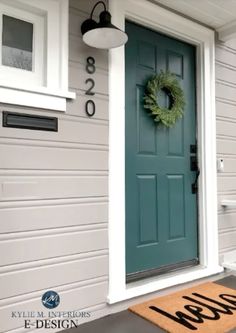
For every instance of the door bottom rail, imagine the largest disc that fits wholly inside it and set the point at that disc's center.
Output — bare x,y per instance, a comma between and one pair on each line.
132,277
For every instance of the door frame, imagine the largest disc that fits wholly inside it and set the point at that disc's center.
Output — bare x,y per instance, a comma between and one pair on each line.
159,19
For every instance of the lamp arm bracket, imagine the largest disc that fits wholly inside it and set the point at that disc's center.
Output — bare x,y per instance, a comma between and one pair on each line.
95,6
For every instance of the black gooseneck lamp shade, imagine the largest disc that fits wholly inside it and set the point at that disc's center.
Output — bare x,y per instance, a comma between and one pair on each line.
102,34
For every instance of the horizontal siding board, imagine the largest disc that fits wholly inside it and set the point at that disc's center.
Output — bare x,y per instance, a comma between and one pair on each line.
226,146
75,112
79,52
101,79
226,56
76,107
226,127
44,247
227,240
226,184
76,19
225,196
225,110
225,91
73,299
69,130
225,74
227,221
59,216
52,158
35,188
229,165
48,277
230,44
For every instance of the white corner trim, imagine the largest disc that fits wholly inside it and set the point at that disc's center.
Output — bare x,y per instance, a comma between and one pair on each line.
227,31
44,99
160,19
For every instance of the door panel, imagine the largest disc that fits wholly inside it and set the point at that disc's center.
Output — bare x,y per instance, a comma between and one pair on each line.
147,211
161,211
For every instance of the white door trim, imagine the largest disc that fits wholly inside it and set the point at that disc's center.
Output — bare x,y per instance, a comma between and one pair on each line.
160,19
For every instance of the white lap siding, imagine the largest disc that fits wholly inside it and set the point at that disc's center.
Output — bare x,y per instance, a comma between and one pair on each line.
54,197
54,191
226,140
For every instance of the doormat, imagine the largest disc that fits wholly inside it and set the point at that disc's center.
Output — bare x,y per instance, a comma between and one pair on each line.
205,308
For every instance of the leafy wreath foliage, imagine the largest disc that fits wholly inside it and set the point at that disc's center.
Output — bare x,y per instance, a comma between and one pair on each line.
168,83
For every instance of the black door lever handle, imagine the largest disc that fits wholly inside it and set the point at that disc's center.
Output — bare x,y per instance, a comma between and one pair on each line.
195,184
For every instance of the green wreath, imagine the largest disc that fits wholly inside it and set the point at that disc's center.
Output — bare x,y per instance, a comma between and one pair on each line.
170,85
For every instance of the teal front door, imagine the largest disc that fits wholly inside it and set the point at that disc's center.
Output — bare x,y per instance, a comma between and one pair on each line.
161,210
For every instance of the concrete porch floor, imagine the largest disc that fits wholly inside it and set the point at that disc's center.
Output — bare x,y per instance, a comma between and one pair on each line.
127,322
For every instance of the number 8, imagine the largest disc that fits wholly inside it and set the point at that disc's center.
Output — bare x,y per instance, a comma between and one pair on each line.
90,67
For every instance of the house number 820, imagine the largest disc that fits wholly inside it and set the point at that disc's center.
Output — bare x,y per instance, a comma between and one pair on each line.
90,107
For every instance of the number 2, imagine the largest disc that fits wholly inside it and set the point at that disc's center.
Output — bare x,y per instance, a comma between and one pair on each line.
89,91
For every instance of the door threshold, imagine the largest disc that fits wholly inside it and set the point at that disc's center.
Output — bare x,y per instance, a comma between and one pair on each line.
132,277
154,284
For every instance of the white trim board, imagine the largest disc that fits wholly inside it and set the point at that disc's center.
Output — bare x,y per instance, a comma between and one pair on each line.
47,100
46,86
150,15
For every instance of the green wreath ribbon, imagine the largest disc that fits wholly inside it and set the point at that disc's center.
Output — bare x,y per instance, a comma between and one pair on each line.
168,83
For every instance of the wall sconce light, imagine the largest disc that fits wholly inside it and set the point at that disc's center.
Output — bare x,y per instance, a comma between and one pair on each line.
102,34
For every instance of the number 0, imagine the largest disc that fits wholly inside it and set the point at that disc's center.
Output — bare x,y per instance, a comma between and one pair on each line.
90,108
